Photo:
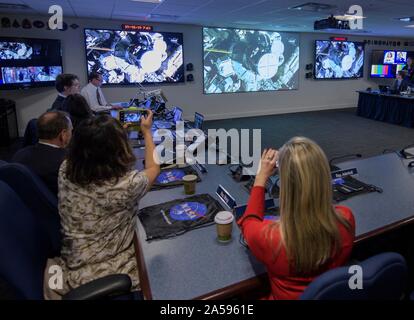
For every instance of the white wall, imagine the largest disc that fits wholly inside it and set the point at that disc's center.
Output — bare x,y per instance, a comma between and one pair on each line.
312,95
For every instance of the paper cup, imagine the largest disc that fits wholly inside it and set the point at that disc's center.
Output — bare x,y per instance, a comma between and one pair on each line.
224,223
190,182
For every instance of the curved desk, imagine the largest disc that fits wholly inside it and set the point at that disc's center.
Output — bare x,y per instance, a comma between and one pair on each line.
195,266
390,108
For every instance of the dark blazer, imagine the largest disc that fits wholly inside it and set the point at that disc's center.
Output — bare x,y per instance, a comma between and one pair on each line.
402,87
44,161
59,104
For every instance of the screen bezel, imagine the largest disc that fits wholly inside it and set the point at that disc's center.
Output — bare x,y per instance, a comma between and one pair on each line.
264,91
349,78
135,83
44,84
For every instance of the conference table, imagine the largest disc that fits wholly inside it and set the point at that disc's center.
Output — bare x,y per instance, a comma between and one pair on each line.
195,265
391,108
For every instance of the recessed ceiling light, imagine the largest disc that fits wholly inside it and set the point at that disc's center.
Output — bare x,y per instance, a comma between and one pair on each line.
406,19
410,26
150,1
14,6
314,7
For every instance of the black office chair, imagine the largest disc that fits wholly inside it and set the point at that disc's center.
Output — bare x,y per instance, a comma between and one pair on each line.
384,277
30,137
25,248
37,197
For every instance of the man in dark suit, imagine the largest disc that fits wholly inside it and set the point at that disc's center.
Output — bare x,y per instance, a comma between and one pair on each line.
66,84
401,83
44,159
409,69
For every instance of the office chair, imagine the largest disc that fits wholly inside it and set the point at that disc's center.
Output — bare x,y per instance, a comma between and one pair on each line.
24,249
37,197
384,277
30,137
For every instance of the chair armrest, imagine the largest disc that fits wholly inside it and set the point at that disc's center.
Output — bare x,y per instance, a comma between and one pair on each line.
115,284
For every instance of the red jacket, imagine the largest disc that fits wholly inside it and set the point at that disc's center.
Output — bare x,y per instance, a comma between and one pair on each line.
286,284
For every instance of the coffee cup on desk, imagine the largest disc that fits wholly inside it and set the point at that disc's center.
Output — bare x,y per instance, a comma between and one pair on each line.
190,182
224,223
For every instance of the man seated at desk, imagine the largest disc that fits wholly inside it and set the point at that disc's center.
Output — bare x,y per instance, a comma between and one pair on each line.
401,83
94,95
409,69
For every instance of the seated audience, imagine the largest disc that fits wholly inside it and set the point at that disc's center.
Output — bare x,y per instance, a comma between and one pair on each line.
66,84
94,95
78,109
311,236
400,83
54,130
99,193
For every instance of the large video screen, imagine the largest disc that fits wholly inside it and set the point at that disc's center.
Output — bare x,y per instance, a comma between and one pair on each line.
240,60
26,62
339,59
386,64
130,57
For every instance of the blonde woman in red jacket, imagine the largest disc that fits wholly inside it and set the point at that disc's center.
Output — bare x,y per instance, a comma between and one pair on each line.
311,236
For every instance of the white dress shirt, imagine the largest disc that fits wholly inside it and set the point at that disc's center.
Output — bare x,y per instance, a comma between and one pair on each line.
90,93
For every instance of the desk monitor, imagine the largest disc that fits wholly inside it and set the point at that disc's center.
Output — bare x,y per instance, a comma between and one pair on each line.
383,89
178,114
198,120
382,71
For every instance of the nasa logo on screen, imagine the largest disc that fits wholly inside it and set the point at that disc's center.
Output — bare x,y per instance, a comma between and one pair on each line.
170,176
188,211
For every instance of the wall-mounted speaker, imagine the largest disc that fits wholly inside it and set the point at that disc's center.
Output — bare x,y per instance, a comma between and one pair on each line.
190,67
309,75
309,66
190,78
5,22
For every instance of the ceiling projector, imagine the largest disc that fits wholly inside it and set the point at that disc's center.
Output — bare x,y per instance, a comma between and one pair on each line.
331,23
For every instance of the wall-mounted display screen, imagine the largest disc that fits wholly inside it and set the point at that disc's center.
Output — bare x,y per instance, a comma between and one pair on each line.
241,60
387,63
27,62
339,59
130,57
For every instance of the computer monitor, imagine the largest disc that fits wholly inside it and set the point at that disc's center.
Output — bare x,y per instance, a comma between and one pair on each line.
198,120
178,114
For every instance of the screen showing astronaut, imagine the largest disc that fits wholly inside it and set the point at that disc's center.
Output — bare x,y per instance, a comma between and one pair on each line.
26,62
15,50
339,60
128,57
239,60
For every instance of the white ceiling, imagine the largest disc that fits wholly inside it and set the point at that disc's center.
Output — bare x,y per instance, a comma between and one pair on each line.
259,14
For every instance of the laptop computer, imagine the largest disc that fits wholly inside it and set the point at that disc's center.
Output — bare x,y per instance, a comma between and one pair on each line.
178,114
198,121
169,124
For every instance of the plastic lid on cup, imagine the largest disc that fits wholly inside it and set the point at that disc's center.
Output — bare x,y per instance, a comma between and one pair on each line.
190,178
224,217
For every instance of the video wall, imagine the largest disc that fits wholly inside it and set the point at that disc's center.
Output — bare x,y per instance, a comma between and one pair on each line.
241,60
129,57
234,60
387,63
